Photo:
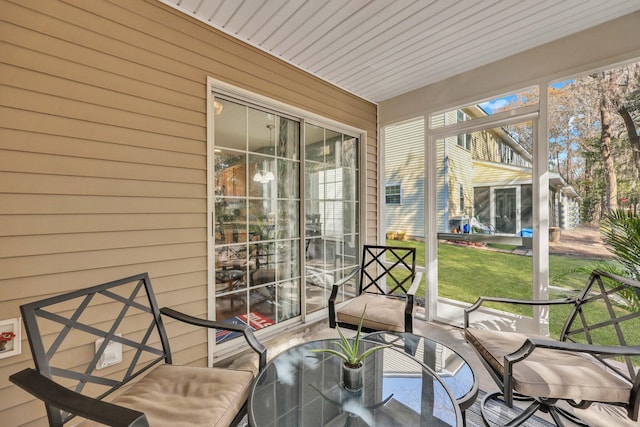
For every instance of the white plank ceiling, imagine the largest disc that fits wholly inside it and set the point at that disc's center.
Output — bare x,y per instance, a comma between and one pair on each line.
378,49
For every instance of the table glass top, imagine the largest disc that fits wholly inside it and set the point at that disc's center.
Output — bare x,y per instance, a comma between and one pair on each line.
302,388
450,367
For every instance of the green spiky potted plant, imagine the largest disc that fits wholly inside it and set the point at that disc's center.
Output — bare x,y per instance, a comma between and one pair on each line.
351,360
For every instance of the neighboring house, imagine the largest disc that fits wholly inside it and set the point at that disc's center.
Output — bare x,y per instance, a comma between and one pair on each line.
404,180
564,203
484,182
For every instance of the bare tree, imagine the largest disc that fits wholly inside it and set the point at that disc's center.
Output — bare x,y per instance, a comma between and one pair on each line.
593,136
621,85
611,195
632,133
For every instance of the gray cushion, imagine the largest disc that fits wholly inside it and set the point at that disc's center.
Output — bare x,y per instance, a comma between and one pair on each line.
551,373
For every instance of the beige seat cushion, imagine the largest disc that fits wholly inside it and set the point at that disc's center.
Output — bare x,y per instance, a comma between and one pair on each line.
383,313
551,373
188,396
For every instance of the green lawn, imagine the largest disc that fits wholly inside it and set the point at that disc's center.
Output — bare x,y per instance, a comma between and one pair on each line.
495,273
465,273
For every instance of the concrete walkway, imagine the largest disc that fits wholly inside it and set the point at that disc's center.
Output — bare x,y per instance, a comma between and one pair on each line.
583,241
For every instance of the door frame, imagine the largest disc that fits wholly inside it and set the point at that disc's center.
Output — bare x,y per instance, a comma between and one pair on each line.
540,182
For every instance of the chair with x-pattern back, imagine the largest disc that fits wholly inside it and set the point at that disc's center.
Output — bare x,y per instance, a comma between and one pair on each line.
386,283
596,358
72,338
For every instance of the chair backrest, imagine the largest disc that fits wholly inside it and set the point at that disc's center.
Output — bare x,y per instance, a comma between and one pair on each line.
387,270
607,312
63,331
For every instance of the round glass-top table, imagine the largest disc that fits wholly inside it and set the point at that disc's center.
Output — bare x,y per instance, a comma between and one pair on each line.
302,388
446,363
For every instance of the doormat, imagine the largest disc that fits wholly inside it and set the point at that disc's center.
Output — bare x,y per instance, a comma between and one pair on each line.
253,319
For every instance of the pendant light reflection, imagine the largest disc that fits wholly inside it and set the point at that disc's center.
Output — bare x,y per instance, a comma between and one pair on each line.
263,176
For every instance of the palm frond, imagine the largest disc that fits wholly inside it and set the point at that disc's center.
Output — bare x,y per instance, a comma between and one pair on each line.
621,233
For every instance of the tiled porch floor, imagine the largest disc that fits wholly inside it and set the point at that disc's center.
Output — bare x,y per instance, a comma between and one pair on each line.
449,335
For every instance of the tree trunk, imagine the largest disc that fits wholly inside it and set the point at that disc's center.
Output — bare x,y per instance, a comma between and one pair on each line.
634,139
611,195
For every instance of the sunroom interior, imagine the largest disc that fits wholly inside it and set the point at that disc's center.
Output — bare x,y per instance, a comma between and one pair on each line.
166,137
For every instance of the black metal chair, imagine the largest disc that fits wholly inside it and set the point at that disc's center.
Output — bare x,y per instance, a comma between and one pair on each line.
386,283
594,360
73,337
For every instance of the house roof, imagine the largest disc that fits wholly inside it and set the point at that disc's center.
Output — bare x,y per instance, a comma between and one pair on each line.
378,49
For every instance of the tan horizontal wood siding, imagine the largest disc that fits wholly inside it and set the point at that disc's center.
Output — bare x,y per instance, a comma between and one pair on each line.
103,154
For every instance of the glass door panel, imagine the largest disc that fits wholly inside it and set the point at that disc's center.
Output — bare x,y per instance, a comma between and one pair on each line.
256,216
331,211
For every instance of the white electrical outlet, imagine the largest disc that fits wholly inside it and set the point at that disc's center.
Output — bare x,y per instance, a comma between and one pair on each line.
112,353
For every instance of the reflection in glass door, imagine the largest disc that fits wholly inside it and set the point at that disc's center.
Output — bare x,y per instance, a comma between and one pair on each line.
255,223
331,212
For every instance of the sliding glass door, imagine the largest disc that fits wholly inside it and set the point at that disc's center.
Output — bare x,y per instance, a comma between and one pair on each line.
284,211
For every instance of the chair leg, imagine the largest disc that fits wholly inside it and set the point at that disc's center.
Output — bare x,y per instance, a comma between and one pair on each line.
525,415
556,411
543,405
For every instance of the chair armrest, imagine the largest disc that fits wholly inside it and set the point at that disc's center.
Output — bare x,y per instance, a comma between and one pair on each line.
346,278
334,295
408,309
251,339
68,400
415,284
532,343
482,300
410,299
529,346
336,286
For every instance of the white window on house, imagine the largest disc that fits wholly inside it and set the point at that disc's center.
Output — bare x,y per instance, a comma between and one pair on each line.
461,195
464,139
393,194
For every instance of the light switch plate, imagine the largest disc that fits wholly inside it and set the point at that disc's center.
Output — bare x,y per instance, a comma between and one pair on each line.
112,353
